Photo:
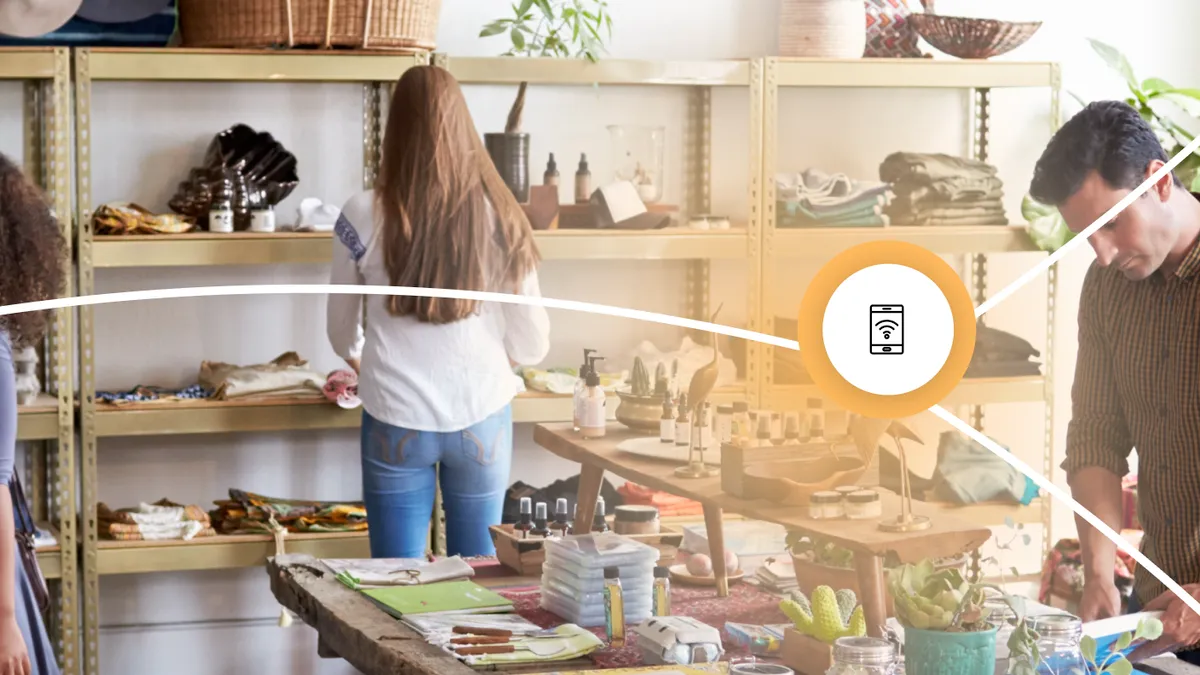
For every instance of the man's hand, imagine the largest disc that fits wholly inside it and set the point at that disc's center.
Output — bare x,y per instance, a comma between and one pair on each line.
1101,600
1181,625
14,657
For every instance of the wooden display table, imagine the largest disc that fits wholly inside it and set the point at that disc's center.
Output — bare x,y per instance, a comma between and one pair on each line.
947,536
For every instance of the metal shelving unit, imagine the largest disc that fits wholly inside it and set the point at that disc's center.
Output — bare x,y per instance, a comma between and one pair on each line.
48,425
819,244
376,72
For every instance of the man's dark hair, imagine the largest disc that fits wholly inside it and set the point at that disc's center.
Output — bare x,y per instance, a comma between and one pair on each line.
1109,137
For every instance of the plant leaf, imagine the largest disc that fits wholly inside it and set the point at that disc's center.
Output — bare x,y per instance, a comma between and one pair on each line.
546,8
1149,629
1121,666
1087,645
1183,91
1117,61
518,38
1124,640
524,8
495,28
1008,522
1026,539
1154,85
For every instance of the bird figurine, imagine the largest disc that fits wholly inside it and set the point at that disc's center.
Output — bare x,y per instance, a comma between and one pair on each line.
704,380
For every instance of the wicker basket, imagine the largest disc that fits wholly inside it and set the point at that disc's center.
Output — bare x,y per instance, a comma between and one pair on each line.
972,38
824,29
398,25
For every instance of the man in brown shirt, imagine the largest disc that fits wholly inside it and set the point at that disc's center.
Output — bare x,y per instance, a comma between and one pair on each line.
1137,379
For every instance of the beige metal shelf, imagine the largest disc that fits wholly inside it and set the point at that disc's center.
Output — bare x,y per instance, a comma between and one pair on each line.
913,73
50,557
222,551
204,249
993,514
826,242
971,391
39,420
229,65
507,70
27,63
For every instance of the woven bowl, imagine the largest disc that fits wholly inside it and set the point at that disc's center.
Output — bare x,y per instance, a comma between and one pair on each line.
967,38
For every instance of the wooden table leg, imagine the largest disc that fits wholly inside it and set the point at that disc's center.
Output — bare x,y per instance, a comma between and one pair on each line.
715,530
591,479
873,589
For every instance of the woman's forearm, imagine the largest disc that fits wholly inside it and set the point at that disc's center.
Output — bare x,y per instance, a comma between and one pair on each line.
8,555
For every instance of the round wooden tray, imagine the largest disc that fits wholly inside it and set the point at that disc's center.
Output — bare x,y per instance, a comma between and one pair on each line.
679,573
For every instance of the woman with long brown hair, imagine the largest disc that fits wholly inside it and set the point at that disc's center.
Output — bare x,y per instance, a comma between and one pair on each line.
435,376
32,255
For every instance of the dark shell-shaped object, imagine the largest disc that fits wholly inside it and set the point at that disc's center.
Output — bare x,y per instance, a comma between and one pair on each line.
261,169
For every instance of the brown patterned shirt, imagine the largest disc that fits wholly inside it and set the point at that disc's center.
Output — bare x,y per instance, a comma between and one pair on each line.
1137,384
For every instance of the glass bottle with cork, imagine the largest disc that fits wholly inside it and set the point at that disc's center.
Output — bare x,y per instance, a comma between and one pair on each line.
614,607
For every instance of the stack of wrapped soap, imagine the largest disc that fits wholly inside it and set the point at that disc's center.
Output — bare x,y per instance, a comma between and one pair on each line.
573,577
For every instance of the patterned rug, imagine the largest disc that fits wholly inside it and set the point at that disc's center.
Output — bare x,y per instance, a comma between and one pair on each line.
745,604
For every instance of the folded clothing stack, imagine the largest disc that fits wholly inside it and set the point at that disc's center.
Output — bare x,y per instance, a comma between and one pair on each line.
813,198
161,520
940,189
1001,354
249,513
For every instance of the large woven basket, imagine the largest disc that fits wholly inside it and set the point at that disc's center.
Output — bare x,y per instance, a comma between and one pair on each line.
968,38
399,25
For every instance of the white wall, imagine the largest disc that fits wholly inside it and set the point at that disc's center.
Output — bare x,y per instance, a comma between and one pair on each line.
145,137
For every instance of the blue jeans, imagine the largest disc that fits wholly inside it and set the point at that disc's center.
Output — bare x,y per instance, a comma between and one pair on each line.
399,473
1192,657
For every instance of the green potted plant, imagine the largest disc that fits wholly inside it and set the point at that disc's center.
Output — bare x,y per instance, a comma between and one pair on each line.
1153,97
947,627
541,29
817,623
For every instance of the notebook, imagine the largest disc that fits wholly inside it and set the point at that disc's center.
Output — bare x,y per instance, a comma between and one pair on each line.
446,597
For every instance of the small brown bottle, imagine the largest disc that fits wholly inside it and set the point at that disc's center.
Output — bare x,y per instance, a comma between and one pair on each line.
599,521
551,175
523,527
583,181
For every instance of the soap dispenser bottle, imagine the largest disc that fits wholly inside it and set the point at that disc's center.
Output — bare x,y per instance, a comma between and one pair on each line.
580,387
594,420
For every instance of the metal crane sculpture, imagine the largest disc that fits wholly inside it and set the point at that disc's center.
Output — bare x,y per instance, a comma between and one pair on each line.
704,380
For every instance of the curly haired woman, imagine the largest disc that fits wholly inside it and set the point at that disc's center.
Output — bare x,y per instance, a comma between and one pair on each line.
32,254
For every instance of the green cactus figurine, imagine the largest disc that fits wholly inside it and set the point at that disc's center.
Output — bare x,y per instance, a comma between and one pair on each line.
639,381
828,616
661,383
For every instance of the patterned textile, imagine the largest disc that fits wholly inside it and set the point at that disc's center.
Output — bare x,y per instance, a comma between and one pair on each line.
668,505
745,604
889,33
142,393
249,513
163,519
1062,572
1135,386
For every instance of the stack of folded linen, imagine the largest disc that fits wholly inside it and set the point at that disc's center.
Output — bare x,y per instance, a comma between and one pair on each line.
1001,354
940,189
813,198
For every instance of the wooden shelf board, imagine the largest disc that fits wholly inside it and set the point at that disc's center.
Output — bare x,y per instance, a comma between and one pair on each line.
221,551
50,557
978,391
938,73
239,65
826,242
38,421
242,248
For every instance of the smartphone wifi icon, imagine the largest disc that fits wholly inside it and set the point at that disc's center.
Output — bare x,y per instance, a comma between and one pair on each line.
887,329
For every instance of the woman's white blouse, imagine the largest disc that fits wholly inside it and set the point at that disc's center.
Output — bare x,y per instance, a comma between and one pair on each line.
417,375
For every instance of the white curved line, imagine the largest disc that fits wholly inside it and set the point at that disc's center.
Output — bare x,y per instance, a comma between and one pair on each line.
1062,496
354,289
1120,206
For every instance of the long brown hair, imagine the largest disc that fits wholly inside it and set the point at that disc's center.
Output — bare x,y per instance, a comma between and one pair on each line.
32,253
434,187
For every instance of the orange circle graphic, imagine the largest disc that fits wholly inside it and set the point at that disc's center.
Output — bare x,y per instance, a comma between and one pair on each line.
812,316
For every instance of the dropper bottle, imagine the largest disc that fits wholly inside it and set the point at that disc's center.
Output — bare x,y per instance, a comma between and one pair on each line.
560,517
540,528
526,523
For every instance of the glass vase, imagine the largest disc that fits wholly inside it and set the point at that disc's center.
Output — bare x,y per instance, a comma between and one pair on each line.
638,157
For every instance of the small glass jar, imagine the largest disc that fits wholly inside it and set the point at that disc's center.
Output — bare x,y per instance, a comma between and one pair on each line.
863,656
825,505
846,489
1059,636
863,505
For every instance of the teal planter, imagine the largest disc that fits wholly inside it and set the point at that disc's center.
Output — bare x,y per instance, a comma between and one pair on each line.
936,653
